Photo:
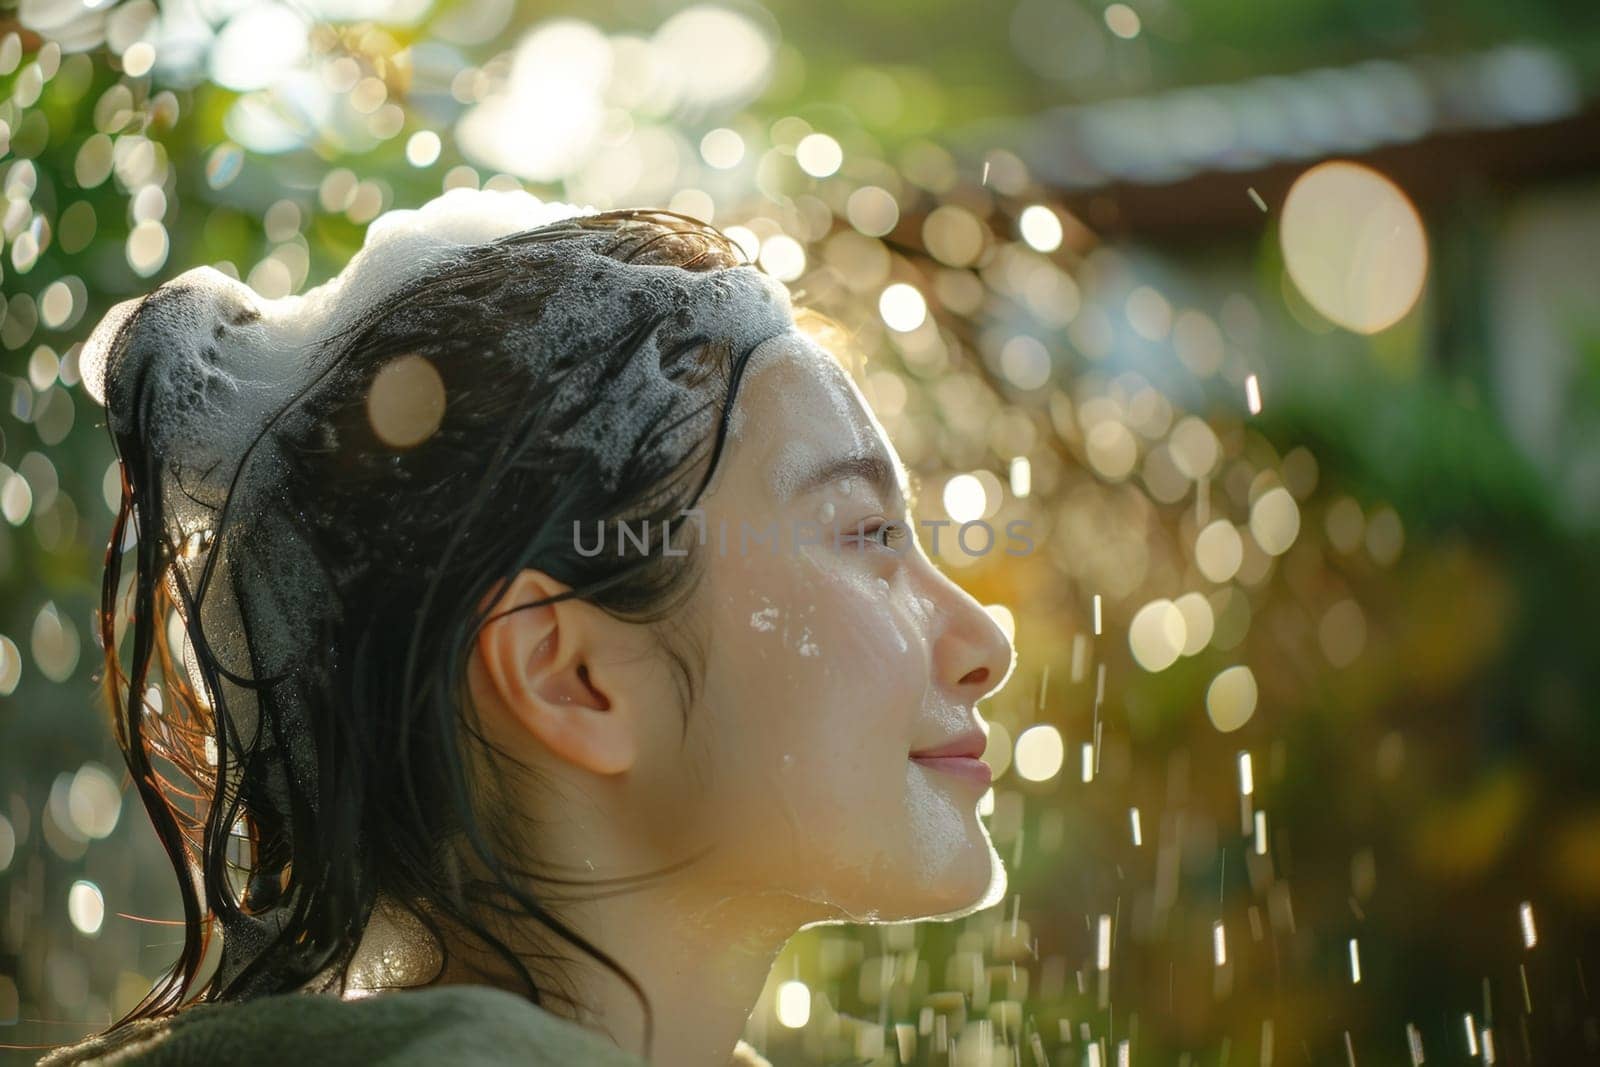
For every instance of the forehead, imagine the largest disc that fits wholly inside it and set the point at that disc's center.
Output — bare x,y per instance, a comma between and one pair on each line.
799,405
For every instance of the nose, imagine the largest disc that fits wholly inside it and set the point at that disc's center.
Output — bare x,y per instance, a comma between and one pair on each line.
972,654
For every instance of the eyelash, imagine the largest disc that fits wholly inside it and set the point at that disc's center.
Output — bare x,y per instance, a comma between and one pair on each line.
896,532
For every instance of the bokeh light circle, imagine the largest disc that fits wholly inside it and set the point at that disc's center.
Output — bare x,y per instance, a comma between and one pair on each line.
406,402
86,907
1275,520
1040,753
1218,551
1353,245
1157,635
903,307
1231,698
965,499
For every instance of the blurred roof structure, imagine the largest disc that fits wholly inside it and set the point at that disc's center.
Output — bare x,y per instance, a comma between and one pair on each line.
1189,160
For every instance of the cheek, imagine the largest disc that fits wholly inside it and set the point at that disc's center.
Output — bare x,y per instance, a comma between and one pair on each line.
819,687
837,634
821,671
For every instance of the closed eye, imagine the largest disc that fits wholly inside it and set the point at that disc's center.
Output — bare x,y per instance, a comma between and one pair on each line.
883,532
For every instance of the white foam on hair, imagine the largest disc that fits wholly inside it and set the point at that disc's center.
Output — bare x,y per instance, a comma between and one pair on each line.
397,245
210,360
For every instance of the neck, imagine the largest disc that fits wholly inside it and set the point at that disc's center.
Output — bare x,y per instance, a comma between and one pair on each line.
701,962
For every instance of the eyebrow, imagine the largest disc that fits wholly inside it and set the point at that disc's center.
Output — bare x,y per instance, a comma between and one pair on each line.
874,467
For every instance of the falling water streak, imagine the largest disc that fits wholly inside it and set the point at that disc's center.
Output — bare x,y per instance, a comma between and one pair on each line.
1088,762
1219,943
1530,936
1138,835
1255,198
1097,614
1414,1042
1472,1033
1080,646
1261,833
985,179
1247,778
1124,1053
1355,963
1486,1038
1044,684
1103,945
1527,998
1349,1049
1021,476
1252,394
1266,1043
905,1038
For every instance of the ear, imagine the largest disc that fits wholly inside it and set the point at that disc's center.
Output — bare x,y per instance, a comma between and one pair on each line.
541,664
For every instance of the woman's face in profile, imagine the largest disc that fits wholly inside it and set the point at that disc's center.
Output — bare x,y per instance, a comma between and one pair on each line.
827,665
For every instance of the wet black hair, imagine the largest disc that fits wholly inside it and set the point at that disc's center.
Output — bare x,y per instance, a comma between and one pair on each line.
354,779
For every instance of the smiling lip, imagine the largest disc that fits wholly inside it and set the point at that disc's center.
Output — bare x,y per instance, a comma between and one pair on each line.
964,766
968,744
958,756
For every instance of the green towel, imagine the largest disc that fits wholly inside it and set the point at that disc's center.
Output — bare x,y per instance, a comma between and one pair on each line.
458,1025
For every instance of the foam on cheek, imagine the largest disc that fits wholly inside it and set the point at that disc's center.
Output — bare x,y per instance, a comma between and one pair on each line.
764,620
793,634
797,634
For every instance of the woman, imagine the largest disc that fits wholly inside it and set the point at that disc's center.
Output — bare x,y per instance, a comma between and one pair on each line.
459,713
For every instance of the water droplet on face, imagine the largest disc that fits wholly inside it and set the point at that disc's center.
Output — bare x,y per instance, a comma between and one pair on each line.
825,515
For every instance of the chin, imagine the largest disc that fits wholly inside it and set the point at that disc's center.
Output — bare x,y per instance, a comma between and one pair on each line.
972,882
982,884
